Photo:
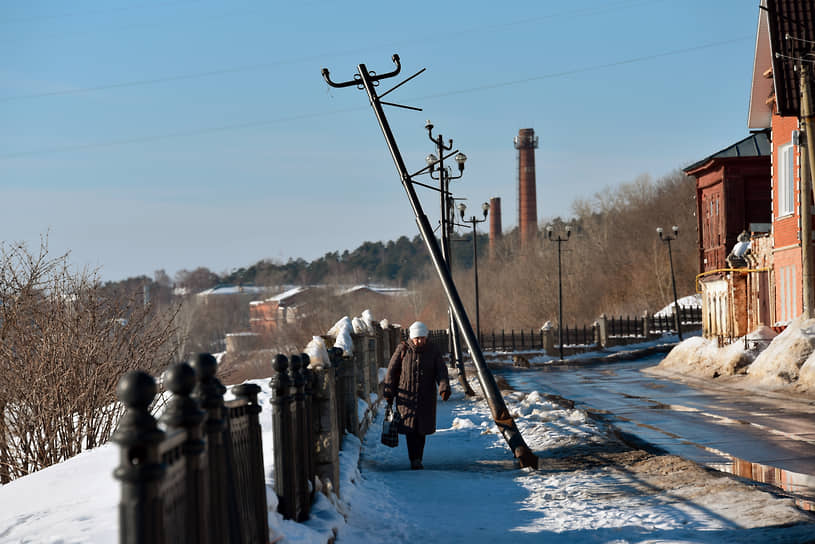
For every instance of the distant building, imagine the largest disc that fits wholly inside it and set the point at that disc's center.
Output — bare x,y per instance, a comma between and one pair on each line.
266,315
732,196
743,287
775,105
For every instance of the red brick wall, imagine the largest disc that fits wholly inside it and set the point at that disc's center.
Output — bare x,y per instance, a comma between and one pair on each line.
785,228
263,317
788,290
787,270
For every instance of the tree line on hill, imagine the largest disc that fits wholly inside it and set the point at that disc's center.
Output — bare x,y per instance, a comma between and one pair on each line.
614,263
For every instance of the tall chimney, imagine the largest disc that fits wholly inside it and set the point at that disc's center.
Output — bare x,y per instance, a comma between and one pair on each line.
495,223
526,142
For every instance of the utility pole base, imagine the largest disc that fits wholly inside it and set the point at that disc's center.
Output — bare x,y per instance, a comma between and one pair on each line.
526,457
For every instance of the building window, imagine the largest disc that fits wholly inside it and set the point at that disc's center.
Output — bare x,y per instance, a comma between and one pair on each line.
786,180
788,296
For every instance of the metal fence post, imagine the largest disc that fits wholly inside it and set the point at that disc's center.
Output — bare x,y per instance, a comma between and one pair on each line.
281,430
297,442
335,357
308,424
140,469
350,395
248,392
183,412
209,392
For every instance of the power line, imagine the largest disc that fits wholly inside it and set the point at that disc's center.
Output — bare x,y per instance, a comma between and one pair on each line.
239,126
172,135
321,56
587,68
91,12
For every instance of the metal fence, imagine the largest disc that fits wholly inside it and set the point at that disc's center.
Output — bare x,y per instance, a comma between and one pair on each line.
201,479
605,332
197,474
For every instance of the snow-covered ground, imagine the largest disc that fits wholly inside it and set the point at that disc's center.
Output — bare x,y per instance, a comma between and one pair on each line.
590,488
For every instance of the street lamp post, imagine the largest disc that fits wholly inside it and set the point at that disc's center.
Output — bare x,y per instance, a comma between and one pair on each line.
559,240
472,220
668,239
443,174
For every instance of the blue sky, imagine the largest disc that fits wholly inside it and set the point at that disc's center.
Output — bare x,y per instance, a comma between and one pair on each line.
176,134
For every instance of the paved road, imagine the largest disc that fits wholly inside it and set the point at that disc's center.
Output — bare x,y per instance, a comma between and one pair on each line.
718,427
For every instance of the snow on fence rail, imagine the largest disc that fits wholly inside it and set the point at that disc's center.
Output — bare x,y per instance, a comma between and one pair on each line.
197,474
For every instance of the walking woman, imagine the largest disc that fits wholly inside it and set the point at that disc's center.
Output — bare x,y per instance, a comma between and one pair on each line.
415,371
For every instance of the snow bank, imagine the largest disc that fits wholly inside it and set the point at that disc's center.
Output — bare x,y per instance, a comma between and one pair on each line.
764,360
780,364
698,356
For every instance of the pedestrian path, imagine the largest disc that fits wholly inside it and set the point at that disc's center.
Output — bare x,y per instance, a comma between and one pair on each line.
590,488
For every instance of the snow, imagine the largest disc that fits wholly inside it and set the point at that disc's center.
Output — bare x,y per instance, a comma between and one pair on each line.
233,290
470,491
690,301
342,331
286,294
764,361
317,353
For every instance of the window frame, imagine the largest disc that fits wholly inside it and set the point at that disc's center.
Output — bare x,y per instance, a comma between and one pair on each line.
786,180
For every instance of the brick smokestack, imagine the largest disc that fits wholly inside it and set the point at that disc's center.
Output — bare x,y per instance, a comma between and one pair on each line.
495,223
526,142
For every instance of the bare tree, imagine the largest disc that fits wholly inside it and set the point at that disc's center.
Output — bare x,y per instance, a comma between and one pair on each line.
64,343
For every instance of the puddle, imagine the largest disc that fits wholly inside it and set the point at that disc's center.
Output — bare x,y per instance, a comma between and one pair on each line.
801,487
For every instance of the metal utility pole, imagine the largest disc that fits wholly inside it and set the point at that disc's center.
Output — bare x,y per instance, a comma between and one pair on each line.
559,241
473,221
436,164
368,81
668,239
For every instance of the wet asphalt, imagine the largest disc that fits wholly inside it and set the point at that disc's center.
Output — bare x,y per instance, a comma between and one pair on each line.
768,438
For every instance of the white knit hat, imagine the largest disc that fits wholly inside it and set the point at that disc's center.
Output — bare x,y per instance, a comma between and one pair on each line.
418,329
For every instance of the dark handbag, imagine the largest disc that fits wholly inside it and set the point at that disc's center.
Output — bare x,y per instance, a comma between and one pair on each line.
390,427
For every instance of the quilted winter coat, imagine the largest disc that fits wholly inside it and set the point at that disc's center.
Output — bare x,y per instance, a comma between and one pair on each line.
412,376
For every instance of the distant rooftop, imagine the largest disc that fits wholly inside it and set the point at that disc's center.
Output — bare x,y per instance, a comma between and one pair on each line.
376,289
755,145
226,289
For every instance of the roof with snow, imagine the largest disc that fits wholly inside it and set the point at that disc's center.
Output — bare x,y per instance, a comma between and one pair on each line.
233,290
376,289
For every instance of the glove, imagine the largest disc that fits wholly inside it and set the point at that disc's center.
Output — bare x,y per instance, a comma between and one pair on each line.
445,394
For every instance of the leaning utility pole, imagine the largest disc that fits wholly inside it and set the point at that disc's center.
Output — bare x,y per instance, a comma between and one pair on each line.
368,80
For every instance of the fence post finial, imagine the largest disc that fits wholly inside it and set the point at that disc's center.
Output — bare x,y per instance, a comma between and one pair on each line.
209,392
183,412
140,469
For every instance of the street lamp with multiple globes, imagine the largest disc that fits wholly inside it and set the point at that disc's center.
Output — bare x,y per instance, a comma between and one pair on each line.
462,207
444,175
668,239
560,239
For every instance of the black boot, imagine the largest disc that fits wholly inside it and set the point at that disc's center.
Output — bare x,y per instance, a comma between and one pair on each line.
416,464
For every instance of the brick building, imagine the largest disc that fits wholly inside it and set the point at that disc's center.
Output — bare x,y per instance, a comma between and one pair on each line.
775,105
732,196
